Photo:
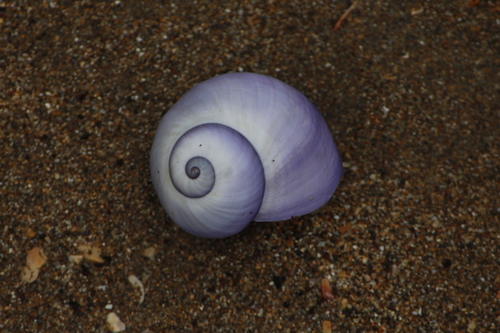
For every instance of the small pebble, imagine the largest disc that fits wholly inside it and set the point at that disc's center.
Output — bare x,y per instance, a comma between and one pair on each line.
28,275
35,259
137,284
326,291
150,252
327,326
91,252
114,323
30,233
75,258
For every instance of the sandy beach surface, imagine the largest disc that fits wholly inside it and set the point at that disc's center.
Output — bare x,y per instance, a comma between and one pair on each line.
409,242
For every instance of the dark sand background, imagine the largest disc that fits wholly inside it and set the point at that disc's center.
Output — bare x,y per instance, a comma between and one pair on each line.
410,240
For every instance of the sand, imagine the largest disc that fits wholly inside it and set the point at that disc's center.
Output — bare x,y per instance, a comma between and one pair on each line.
409,242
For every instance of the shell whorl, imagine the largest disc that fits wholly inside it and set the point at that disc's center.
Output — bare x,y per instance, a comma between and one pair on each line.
262,150
217,147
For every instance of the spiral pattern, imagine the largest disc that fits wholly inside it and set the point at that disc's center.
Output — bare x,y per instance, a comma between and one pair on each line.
222,158
199,177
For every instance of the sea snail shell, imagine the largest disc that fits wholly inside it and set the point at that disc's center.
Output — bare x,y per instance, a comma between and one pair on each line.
241,147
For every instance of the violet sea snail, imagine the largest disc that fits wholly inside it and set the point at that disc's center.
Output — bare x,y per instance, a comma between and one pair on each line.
241,147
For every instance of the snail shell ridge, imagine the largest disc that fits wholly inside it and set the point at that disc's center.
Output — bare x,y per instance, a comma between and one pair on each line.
242,147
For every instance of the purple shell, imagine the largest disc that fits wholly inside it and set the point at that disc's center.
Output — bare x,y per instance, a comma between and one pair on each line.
242,147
